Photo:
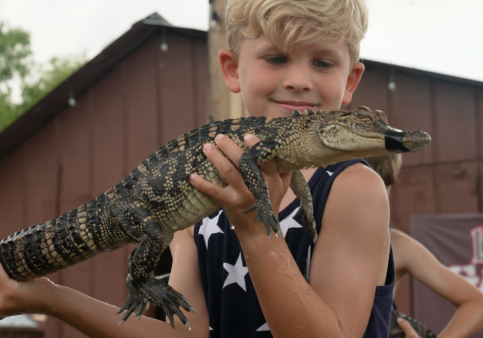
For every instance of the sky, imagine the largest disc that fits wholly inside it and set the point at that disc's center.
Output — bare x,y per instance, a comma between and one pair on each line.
442,36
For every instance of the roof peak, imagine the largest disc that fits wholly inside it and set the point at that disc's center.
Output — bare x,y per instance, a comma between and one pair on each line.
156,19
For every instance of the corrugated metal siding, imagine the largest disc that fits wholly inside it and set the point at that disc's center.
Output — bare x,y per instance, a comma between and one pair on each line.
147,100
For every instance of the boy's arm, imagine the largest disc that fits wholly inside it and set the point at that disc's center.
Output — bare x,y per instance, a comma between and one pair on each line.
346,259
98,319
185,278
412,257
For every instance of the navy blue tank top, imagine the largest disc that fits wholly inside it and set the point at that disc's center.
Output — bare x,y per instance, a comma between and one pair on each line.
233,307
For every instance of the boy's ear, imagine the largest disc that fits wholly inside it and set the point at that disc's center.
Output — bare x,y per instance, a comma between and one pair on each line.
353,80
229,69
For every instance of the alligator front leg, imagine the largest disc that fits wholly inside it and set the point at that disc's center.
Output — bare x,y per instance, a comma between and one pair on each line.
248,167
301,190
143,286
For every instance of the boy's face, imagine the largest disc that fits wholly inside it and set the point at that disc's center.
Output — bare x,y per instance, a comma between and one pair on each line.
315,76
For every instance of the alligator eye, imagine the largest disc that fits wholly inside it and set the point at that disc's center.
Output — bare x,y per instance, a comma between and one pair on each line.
380,114
361,114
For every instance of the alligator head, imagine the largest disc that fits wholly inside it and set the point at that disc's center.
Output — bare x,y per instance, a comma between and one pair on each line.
364,131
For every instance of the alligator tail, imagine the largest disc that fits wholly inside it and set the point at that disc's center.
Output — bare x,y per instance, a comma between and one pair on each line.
62,242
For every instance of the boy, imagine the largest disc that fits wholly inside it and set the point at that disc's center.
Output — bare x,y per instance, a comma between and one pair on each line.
283,55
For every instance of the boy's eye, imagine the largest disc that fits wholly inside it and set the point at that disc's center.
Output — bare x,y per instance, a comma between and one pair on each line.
276,59
321,64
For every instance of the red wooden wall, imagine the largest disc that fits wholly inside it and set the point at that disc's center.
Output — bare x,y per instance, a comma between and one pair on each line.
150,98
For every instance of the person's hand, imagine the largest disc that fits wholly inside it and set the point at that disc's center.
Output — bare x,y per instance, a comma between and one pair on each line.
236,197
407,328
20,297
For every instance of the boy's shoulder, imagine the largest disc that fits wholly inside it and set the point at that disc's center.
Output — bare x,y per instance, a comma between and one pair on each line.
357,190
360,176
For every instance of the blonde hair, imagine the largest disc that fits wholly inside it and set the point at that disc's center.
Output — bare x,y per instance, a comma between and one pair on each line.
387,167
290,22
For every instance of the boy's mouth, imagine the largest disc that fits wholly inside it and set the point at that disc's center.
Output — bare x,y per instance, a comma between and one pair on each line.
294,105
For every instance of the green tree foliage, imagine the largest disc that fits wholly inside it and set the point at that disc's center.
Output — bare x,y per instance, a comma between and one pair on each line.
48,77
15,60
36,81
15,52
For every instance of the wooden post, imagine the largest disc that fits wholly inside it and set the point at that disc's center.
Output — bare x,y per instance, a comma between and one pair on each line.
223,104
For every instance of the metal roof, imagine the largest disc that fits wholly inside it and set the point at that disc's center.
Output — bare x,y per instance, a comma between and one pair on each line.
420,73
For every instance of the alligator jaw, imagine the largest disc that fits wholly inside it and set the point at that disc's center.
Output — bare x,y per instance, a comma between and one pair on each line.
398,141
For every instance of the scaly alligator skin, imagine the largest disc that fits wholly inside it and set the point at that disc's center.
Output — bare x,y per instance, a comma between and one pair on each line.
420,328
156,199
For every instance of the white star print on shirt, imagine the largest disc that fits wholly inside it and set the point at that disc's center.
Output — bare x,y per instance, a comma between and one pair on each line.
236,273
210,227
264,327
289,222
330,173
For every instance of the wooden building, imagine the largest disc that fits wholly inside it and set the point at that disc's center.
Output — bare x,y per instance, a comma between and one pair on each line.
136,95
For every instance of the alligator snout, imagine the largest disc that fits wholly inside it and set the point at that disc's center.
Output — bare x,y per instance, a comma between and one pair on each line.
416,140
398,141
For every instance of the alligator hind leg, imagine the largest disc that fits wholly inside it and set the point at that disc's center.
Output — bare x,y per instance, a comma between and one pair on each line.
143,286
301,190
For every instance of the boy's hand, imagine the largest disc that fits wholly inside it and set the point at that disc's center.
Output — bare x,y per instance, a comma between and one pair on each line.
236,197
19,297
407,328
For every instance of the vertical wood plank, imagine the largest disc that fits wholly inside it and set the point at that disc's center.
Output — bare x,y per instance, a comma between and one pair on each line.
219,95
176,90
480,186
108,126
12,193
141,119
200,68
75,187
479,116
411,109
456,188
42,180
412,194
141,113
372,92
454,136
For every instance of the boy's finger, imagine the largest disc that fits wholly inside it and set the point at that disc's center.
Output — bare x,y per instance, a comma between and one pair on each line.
250,140
207,188
229,148
227,170
407,328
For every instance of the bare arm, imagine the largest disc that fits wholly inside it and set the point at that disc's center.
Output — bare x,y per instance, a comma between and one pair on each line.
347,257
98,319
413,258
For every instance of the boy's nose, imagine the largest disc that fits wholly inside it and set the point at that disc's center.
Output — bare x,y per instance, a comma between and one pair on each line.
297,79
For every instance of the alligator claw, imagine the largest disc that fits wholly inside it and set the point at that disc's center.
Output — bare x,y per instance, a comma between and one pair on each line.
266,216
308,222
158,292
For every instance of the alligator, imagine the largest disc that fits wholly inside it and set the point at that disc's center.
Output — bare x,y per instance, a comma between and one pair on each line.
396,332
156,199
